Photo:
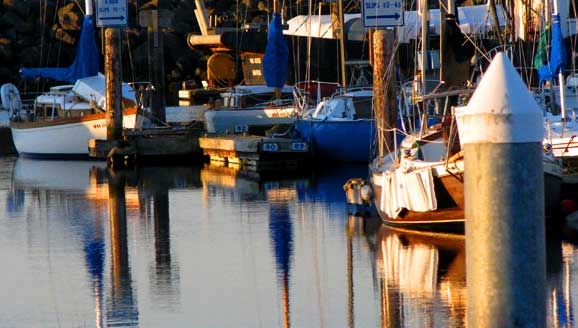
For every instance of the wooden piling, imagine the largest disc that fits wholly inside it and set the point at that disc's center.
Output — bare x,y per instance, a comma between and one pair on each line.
113,77
155,20
501,130
384,99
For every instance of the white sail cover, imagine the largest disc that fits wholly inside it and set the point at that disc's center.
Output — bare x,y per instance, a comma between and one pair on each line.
94,88
411,190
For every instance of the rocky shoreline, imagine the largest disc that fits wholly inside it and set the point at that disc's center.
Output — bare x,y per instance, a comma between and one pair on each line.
43,33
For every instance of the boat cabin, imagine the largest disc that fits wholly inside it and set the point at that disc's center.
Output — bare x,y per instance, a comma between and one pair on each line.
344,107
60,102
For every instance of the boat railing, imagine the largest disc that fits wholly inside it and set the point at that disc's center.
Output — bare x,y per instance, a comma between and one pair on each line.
276,103
308,94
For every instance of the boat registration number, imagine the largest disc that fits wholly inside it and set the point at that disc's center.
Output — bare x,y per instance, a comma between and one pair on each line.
298,146
241,128
270,147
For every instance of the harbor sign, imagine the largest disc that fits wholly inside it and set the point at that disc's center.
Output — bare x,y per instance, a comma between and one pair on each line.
382,13
110,13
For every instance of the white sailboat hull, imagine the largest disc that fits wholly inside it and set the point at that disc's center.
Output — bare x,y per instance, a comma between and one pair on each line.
62,140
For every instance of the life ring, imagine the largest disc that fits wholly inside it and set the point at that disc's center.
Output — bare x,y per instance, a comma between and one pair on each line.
10,98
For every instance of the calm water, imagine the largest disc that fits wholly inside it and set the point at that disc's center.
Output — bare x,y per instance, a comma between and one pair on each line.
203,247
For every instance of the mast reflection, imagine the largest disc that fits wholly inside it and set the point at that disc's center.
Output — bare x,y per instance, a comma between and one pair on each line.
281,230
423,279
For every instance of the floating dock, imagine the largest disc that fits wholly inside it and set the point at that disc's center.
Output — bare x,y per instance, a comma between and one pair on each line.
256,153
151,144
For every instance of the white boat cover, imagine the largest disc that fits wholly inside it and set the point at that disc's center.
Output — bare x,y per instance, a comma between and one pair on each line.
94,88
412,190
474,20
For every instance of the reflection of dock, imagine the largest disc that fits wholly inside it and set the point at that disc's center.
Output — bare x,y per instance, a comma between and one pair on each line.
249,184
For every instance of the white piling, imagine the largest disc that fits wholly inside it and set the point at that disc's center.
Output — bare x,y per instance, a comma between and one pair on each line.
501,131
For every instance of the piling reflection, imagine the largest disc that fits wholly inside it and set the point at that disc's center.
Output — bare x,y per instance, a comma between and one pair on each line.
154,186
85,197
121,307
562,267
423,279
364,229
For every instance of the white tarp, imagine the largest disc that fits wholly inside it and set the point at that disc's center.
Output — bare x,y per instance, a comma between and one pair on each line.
94,88
410,190
473,20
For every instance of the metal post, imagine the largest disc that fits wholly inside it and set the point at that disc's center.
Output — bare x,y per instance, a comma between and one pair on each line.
112,71
501,131
88,7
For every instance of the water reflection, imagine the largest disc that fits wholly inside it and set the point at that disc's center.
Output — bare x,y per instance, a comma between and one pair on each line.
122,309
175,246
95,204
281,230
423,279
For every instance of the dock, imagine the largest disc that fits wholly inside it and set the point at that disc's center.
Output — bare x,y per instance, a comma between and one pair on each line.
256,153
152,143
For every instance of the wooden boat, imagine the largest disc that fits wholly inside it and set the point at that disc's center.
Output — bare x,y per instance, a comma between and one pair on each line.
61,122
421,185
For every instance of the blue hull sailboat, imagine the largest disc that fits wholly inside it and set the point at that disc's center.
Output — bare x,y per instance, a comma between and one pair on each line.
342,141
340,128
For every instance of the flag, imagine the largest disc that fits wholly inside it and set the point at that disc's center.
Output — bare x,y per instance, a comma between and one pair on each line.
557,53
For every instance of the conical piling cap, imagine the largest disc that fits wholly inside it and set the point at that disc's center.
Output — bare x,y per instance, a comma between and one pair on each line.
501,110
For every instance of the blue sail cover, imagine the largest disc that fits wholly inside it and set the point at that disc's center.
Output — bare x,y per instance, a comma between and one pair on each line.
276,54
85,64
557,53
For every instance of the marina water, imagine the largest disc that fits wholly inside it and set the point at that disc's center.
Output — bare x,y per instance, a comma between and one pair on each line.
202,246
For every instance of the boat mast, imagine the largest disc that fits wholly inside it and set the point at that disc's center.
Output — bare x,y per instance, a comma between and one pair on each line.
88,7
342,44
561,83
424,26
277,89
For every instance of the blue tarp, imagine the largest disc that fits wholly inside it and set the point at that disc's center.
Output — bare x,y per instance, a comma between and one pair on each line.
557,53
276,54
85,64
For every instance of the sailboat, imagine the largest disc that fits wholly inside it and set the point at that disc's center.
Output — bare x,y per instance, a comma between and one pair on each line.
561,127
61,121
422,187
340,127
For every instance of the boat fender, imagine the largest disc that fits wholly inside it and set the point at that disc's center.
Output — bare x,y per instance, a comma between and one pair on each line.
358,192
367,193
10,98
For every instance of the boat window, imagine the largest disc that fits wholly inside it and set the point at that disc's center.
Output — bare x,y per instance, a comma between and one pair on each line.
51,112
39,112
363,107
